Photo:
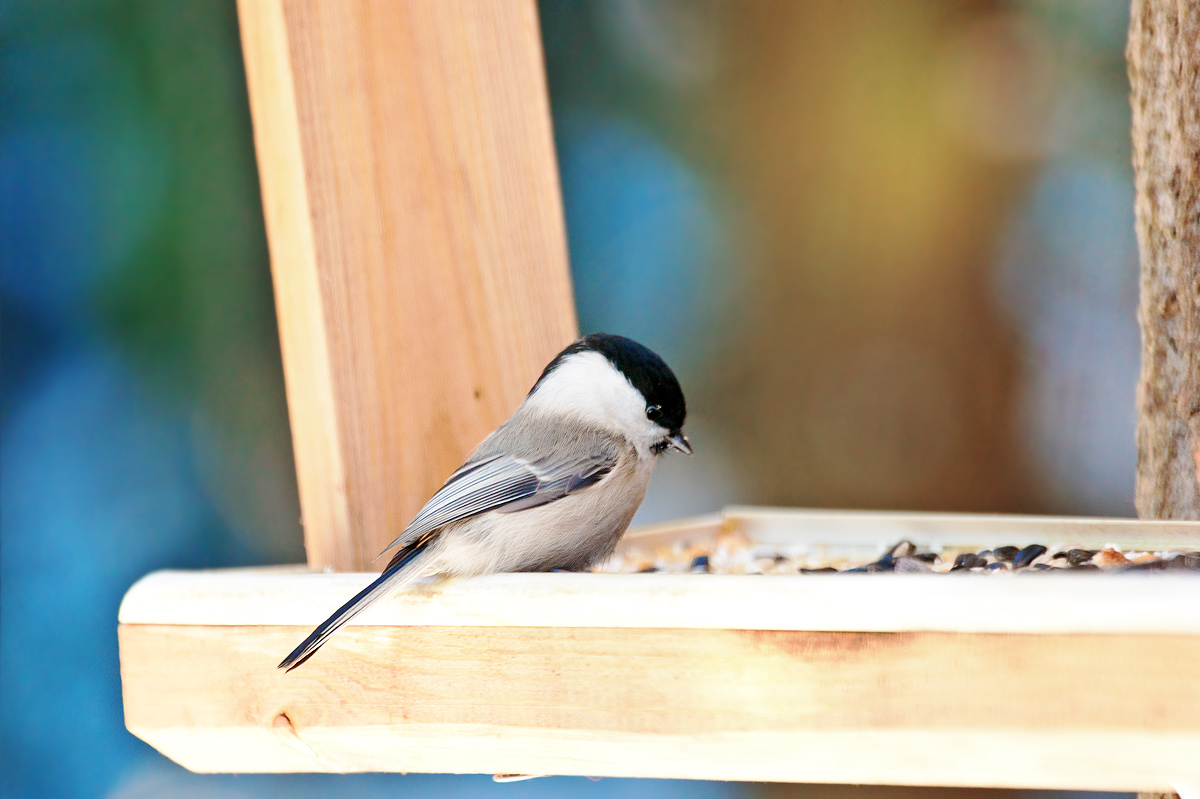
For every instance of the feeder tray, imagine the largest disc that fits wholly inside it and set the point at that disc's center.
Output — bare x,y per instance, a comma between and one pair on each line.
1069,680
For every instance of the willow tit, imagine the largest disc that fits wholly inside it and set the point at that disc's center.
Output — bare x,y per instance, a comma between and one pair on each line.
554,487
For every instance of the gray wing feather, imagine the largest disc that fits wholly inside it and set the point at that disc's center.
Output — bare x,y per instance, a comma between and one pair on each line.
505,483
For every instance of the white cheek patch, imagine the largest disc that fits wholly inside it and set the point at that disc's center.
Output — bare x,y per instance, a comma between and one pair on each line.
587,385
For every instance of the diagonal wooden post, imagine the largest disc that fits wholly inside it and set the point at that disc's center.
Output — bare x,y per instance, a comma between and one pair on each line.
1164,75
417,242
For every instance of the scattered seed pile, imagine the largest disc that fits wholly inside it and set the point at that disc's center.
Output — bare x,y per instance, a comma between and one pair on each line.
733,553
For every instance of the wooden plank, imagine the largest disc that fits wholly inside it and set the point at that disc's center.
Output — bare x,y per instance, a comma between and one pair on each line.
1128,604
417,242
1050,711
294,266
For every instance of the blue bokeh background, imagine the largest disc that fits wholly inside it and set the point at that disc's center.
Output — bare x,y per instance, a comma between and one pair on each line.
709,155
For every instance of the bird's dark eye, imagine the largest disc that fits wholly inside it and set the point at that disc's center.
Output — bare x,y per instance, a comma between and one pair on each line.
653,412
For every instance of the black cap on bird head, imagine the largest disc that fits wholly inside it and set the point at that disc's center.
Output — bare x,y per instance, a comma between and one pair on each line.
647,372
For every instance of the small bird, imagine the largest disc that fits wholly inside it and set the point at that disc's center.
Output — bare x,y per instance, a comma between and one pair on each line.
554,487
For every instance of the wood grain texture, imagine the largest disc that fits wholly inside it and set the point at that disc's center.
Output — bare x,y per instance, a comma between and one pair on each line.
417,243
1082,711
1164,74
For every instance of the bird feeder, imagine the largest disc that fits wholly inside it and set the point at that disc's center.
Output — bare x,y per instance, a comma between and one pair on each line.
419,262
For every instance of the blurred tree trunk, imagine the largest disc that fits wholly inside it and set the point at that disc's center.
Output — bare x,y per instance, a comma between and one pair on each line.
1164,73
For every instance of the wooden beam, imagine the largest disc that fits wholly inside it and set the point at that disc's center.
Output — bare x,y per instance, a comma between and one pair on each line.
417,242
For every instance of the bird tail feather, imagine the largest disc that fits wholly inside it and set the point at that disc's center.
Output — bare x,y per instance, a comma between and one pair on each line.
404,568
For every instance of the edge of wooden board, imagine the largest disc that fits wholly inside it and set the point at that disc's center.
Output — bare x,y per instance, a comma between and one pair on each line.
783,526
1081,761
1011,603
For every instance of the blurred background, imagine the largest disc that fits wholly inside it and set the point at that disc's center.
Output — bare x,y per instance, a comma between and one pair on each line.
898,239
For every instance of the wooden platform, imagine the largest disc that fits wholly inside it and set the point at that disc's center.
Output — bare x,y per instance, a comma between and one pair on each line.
1026,680
419,259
